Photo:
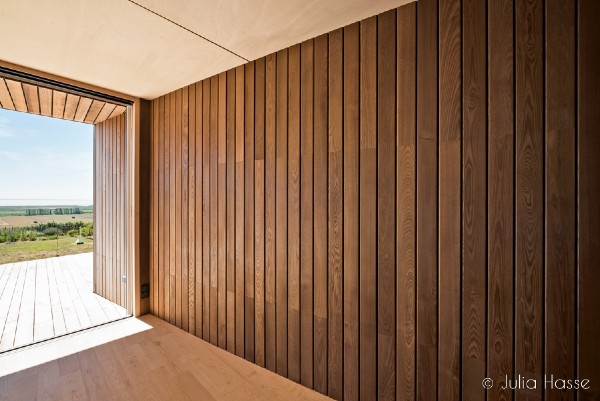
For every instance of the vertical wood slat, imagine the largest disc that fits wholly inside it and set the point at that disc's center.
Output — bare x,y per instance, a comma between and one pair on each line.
588,193
386,201
500,195
320,244
249,206
334,216
221,212
306,213
184,299
191,265
281,293
560,179
230,210
368,210
365,181
239,212
259,211
350,209
270,246
529,196
405,202
199,212
293,213
449,187
109,198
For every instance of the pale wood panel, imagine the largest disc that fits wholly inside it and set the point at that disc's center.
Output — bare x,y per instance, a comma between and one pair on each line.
35,99
16,93
32,98
5,98
110,191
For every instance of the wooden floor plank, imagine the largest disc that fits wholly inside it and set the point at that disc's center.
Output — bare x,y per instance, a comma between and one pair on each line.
24,332
43,321
169,364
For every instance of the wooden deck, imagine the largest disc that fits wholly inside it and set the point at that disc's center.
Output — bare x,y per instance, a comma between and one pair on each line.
45,298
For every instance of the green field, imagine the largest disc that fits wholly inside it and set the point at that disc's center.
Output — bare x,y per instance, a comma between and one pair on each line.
31,250
20,210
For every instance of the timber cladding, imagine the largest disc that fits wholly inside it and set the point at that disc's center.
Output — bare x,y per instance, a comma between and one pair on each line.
110,213
397,209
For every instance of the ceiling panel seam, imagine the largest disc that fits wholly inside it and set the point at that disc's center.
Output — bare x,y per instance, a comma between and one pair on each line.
189,30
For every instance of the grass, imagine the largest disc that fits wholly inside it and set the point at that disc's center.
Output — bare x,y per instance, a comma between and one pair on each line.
31,250
20,210
28,221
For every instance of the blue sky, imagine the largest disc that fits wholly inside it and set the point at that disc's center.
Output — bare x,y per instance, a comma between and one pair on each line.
45,158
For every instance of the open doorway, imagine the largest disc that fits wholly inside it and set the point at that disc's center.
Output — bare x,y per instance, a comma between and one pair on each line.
63,253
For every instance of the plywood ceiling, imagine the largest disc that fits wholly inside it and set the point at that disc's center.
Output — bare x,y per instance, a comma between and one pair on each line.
147,48
29,98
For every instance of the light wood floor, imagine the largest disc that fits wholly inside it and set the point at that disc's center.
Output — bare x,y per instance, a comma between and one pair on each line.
162,363
45,298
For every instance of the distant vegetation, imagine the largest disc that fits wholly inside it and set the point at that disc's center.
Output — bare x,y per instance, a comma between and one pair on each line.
58,210
25,236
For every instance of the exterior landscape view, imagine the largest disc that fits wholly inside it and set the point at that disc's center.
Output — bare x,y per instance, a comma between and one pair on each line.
36,232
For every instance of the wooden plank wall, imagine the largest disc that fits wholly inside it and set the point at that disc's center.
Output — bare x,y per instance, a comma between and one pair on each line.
394,210
110,260
34,99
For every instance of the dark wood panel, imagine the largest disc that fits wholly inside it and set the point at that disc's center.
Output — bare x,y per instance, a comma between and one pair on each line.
191,266
214,231
230,211
206,91
249,210
306,213
293,213
560,216
239,212
368,210
588,149
221,242
335,216
449,187
259,212
406,43
281,290
351,159
321,150
529,213
500,195
270,246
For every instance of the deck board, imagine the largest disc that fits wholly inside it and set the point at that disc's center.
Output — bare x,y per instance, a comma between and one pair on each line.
45,298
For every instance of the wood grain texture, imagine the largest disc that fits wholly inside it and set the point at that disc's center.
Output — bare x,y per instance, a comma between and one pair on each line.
249,206
500,195
351,146
35,99
386,202
529,213
230,211
335,216
321,150
221,223
368,209
560,196
406,43
293,213
306,213
281,177
270,246
109,137
449,208
588,193
259,212
393,210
